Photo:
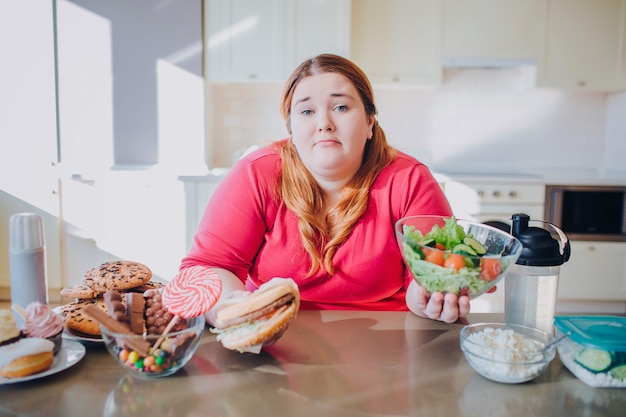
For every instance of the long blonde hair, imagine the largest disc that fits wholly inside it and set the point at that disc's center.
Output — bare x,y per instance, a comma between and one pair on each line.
300,191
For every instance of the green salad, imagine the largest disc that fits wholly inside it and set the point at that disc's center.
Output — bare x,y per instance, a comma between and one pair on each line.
449,260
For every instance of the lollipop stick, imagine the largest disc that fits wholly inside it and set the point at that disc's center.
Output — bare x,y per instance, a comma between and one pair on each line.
171,324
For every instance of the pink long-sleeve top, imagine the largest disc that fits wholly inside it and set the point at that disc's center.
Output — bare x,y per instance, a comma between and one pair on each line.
247,230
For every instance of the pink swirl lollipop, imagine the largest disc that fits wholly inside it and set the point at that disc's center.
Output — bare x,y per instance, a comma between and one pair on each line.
192,292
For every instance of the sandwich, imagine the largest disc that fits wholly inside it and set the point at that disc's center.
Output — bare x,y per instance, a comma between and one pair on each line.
258,319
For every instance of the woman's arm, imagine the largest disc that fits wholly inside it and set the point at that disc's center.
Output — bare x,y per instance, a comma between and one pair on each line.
231,286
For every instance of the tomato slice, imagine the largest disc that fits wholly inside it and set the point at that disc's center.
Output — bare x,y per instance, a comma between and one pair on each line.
454,261
490,268
433,256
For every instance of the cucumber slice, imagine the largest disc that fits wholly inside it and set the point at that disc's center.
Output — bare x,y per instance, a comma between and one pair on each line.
428,242
595,360
464,249
619,372
475,245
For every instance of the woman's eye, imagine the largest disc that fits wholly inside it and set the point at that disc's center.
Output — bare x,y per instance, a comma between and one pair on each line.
341,108
306,112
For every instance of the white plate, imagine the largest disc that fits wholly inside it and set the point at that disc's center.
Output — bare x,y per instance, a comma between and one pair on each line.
70,354
67,333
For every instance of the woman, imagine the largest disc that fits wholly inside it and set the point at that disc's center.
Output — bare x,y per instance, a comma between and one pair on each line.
320,206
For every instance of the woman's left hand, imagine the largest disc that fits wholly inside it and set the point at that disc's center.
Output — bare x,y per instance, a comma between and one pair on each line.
436,306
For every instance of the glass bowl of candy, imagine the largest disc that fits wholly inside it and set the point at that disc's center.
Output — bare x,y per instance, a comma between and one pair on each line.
455,256
155,355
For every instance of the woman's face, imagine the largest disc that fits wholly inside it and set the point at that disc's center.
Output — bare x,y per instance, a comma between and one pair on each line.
329,126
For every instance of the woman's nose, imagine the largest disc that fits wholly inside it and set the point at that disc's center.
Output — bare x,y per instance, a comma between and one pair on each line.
324,123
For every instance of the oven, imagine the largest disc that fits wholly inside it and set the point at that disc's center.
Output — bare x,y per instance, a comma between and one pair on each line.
495,202
588,213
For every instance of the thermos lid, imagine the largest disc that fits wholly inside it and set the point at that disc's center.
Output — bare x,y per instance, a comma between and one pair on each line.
25,232
540,248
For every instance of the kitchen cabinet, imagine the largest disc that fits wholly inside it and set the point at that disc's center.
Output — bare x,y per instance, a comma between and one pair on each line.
198,192
315,27
28,125
492,29
264,40
583,45
398,41
595,271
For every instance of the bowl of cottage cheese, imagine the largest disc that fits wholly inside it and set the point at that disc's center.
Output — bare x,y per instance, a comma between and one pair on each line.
507,353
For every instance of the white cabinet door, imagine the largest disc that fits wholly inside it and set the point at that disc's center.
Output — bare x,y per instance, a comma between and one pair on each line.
595,271
583,45
398,41
28,125
316,27
264,40
245,39
490,29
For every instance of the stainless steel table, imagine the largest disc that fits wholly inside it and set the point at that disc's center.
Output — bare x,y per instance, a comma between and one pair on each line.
329,363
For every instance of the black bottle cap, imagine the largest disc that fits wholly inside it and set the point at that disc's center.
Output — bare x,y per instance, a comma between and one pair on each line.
540,248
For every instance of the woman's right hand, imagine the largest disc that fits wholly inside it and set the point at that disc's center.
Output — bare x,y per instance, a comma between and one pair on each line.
436,306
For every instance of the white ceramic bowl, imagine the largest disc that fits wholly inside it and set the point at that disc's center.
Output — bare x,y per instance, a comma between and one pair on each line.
480,273
507,353
173,353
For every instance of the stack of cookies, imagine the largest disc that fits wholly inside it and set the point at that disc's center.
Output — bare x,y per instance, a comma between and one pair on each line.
121,276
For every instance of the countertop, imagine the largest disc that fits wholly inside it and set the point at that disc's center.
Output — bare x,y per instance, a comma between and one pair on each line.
590,178
328,363
556,177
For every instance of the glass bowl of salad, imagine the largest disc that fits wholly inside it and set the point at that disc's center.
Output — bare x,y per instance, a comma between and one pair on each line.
455,256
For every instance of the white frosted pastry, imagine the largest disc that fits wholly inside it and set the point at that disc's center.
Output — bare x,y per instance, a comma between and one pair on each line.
25,357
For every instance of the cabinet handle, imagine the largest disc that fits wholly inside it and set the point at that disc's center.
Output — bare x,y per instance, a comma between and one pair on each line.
496,194
513,194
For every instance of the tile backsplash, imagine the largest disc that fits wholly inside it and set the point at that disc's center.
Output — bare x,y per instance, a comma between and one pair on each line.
478,121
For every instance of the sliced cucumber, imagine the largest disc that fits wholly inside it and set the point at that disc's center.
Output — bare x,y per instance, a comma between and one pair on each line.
416,248
464,249
475,245
596,360
430,242
619,372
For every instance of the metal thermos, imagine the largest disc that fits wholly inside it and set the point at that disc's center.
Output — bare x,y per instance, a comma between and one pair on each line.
531,287
27,259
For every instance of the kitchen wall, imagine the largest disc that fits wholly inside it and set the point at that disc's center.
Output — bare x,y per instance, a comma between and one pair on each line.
615,150
478,121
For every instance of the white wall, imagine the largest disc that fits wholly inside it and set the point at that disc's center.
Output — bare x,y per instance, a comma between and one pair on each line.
478,121
118,61
131,97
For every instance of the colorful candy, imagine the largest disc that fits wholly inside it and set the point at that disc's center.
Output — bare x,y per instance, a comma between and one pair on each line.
157,361
192,292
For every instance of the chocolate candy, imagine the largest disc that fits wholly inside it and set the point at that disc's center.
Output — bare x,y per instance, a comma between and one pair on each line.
157,317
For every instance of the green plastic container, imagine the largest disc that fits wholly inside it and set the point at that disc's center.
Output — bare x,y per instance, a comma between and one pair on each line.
595,348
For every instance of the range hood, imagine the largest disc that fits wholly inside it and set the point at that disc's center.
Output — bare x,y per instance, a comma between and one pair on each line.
487,63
